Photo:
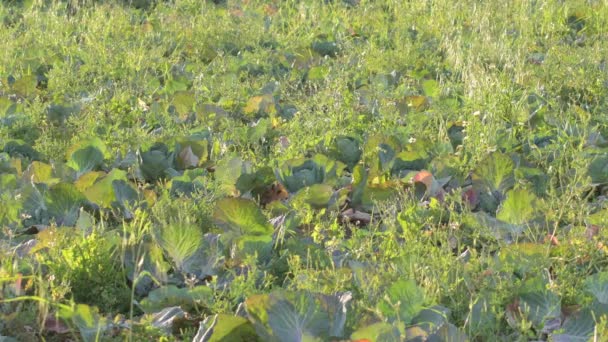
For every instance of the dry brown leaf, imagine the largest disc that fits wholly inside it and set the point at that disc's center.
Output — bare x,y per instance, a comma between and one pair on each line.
359,218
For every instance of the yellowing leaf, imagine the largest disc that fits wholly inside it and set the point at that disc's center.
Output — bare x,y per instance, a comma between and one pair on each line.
38,172
85,181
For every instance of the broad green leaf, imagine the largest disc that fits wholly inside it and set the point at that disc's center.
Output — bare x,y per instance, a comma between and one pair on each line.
183,101
377,332
171,295
378,193
249,245
578,327
431,88
167,317
256,133
228,172
598,169
63,202
38,172
317,195
241,217
289,316
299,173
8,182
187,159
431,319
155,162
523,258
413,103
263,105
536,177
102,192
25,86
490,227
599,218
518,208
495,172
18,148
257,311
86,155
326,48
405,161
318,73
89,322
172,86
88,179
145,265
481,316
347,150
540,307
57,114
359,185
226,328
180,241
597,285
403,300
126,197
449,333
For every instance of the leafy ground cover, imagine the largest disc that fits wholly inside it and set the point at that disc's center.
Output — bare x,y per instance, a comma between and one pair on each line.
303,170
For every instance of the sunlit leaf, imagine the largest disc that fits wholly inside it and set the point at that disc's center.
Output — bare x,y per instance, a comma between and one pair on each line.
63,202
518,208
241,217
317,195
260,105
377,332
228,173
25,86
403,300
226,328
431,88
38,172
183,101
413,103
247,245
102,191
495,172
180,241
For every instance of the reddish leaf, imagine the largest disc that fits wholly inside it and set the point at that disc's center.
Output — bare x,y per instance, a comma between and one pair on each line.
424,177
471,197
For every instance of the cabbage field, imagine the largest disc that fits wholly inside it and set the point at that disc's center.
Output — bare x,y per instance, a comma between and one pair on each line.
303,170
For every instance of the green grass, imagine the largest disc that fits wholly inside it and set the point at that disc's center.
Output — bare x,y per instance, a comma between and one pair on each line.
123,124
